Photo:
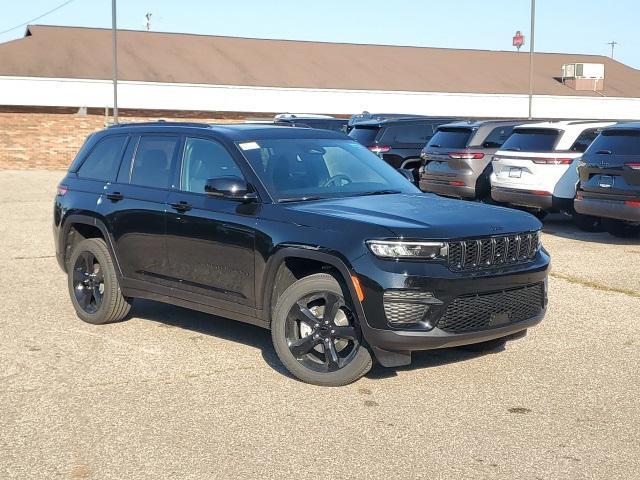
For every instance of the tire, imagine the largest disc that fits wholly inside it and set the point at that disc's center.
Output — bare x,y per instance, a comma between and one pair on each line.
620,228
93,284
314,364
587,223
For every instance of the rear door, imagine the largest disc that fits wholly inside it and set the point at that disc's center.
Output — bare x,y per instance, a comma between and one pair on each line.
612,164
134,206
210,240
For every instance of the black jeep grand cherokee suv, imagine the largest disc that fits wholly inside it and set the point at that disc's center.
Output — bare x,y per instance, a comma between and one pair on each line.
301,231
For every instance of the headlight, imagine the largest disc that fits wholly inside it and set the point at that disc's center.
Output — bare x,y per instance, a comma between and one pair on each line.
403,249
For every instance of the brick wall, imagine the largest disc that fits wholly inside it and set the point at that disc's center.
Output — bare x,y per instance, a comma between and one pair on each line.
49,138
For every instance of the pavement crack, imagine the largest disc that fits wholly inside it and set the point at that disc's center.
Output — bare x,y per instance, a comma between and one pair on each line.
596,285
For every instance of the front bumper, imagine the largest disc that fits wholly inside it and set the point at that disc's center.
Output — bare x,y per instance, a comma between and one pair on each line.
607,208
446,286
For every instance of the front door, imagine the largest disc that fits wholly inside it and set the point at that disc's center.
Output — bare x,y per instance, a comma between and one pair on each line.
210,240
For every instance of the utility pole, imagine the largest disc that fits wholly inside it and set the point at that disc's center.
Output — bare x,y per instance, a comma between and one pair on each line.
613,44
531,50
114,29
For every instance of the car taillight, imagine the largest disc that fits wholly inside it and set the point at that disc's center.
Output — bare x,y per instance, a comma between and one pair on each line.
62,189
632,203
541,193
634,165
379,148
466,155
456,183
552,161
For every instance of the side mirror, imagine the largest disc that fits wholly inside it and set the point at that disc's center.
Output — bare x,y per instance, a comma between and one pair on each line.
232,188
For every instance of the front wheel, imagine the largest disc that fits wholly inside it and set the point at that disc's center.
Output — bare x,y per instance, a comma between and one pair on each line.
316,334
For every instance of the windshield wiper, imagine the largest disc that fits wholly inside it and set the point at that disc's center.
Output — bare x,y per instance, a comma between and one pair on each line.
377,192
512,149
603,152
300,199
435,145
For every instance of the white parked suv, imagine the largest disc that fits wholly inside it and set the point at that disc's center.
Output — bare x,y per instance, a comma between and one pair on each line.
536,167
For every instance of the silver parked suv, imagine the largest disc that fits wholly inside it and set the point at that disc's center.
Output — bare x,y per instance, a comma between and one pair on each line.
457,159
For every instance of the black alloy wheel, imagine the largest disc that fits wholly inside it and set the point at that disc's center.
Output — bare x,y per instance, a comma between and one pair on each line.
88,281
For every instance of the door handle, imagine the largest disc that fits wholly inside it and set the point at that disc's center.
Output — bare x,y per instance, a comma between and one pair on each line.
181,206
115,196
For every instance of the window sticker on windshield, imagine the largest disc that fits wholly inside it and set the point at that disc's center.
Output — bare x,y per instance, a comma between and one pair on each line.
249,145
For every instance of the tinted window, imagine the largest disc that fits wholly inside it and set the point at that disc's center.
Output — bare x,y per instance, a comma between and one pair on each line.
531,140
497,137
584,140
124,174
407,134
617,142
364,135
320,167
205,159
451,138
104,160
152,165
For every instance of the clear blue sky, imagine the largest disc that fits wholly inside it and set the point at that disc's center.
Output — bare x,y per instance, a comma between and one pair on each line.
575,26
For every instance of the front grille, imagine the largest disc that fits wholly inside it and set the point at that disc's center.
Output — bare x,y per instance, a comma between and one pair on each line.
406,307
487,310
493,252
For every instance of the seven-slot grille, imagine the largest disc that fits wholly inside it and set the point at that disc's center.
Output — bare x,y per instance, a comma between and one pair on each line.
493,252
488,310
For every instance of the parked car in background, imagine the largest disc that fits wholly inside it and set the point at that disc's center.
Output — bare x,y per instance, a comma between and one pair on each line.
457,159
398,140
536,168
300,231
609,185
323,122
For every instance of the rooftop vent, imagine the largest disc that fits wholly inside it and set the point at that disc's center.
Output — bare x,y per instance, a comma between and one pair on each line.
583,76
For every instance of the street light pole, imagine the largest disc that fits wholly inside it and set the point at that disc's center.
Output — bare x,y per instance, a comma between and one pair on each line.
114,29
531,50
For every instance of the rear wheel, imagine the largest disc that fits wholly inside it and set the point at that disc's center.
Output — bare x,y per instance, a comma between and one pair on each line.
587,223
621,229
93,284
316,335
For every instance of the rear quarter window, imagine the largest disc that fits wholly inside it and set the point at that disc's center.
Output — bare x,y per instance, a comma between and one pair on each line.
497,137
407,134
532,140
617,142
103,161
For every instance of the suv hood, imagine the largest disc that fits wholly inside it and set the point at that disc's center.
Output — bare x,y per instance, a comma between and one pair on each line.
417,216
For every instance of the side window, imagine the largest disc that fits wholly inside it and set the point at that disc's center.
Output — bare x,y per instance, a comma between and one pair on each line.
497,137
104,160
152,165
124,174
584,140
205,159
409,134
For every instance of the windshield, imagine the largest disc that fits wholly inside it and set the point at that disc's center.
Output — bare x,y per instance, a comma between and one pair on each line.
450,138
305,169
531,140
617,142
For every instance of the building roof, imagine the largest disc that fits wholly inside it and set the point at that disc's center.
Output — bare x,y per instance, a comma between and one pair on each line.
85,53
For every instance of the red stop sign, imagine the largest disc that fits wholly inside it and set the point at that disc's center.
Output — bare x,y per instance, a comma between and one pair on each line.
518,39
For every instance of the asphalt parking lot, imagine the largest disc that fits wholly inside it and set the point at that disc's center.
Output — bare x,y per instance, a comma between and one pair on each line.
172,393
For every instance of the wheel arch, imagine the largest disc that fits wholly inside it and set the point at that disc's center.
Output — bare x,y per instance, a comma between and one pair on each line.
278,274
84,226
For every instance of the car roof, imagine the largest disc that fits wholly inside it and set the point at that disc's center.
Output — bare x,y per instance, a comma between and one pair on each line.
233,131
568,124
625,126
481,123
379,122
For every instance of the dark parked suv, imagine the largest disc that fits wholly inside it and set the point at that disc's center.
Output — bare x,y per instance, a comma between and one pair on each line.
397,140
457,159
301,231
609,185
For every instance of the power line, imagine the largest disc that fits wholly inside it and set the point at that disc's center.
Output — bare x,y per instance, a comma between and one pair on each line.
38,17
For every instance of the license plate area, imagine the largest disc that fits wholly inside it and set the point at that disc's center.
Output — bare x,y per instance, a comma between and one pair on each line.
606,181
515,172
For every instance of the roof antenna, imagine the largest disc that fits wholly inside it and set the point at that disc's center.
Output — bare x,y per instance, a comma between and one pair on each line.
147,23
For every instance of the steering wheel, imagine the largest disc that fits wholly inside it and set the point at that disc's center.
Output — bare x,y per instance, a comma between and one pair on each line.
336,178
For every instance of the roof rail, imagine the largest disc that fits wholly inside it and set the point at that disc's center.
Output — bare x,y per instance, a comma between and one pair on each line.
160,123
